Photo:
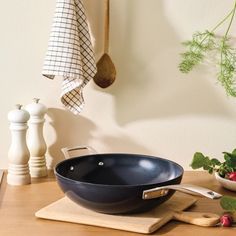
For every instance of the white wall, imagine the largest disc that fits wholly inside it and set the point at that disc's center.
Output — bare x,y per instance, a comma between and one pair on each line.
152,108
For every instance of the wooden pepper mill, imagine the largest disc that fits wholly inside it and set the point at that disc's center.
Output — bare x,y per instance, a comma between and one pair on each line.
35,139
18,155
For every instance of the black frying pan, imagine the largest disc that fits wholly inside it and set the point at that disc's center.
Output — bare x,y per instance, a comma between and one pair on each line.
114,183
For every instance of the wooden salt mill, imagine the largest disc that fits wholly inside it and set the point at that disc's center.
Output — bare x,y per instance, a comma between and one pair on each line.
35,139
18,154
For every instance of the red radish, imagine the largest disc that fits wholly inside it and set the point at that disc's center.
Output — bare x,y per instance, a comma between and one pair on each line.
231,176
226,220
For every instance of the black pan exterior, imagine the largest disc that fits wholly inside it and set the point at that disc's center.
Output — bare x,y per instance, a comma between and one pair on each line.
114,183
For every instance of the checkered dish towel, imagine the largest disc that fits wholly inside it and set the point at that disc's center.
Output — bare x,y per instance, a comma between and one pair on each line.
70,52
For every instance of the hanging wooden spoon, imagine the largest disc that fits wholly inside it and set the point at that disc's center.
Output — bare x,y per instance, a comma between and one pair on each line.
106,71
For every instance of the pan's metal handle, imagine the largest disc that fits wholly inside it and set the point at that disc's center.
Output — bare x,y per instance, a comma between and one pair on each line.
66,151
186,188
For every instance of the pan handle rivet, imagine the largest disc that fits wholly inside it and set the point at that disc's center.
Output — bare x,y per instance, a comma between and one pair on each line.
100,163
72,168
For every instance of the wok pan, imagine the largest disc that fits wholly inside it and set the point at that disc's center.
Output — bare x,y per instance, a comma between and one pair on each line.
116,183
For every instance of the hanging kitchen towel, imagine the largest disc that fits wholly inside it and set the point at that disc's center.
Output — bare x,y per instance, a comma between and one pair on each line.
70,52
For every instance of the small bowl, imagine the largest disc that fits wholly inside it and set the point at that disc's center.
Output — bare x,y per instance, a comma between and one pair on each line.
226,183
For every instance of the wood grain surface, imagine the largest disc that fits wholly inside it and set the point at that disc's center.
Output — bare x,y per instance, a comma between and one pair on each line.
18,205
148,222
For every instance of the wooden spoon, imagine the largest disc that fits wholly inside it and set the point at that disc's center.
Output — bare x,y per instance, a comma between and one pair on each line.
106,71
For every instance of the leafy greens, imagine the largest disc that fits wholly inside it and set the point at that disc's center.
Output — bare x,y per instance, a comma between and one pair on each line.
204,42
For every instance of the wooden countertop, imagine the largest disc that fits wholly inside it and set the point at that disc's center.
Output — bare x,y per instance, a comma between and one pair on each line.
18,205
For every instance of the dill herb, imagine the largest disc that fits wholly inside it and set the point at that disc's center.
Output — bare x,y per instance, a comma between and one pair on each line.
197,49
203,43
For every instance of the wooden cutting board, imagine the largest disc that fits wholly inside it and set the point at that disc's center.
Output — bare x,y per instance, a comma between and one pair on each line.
68,211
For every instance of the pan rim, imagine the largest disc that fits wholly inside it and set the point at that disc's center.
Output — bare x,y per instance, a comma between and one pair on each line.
119,185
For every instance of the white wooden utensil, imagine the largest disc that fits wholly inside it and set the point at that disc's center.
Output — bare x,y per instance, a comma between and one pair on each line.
18,154
35,139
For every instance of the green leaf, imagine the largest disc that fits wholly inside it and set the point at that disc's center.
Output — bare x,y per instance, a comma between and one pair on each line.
234,152
215,162
206,167
199,161
210,170
228,203
230,159
231,155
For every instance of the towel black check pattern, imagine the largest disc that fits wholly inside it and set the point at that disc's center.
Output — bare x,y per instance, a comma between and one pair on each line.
70,53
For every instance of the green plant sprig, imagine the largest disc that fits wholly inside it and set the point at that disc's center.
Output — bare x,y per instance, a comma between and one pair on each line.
197,49
204,42
211,165
214,165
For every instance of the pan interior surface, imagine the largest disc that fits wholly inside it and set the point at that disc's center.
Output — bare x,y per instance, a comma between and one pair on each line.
119,169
